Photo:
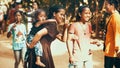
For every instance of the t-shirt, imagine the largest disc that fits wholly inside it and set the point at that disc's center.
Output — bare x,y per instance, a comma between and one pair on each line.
18,42
35,29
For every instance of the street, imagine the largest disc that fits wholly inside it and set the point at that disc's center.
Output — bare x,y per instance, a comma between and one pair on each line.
58,49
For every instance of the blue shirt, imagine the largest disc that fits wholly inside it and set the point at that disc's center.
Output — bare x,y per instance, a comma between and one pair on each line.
18,42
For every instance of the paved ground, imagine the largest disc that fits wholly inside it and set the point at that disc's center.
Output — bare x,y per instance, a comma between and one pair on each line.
59,52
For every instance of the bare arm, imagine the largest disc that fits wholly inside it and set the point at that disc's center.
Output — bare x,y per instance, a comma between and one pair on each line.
70,44
44,22
9,33
62,37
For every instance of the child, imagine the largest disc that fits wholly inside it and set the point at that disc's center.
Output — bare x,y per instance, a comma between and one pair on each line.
79,48
40,17
18,32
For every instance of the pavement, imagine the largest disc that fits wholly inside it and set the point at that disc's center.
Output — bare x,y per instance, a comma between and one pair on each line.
58,49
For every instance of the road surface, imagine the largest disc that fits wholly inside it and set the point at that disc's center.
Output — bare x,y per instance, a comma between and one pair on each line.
59,53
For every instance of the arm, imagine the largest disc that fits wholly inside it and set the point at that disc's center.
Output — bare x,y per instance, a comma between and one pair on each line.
69,43
8,34
38,36
116,29
62,36
44,22
10,28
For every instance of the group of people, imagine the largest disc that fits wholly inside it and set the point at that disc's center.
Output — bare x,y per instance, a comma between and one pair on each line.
34,48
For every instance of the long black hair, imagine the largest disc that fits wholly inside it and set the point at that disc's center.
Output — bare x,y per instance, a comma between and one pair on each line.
54,9
80,10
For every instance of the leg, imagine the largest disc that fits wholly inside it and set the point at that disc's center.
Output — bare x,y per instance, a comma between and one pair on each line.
38,62
80,64
117,62
17,58
77,64
89,64
108,62
70,66
23,55
38,52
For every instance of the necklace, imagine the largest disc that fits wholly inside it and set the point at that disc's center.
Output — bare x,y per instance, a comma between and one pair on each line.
83,27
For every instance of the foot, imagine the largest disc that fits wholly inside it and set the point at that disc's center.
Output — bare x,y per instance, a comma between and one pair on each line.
40,64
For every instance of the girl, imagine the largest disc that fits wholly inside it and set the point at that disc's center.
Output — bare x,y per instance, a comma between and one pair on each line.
18,31
79,48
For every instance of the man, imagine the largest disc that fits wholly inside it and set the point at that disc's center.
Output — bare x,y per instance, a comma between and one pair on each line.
112,42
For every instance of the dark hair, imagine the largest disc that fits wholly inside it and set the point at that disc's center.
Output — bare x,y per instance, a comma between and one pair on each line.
80,10
19,12
36,3
37,12
54,8
113,2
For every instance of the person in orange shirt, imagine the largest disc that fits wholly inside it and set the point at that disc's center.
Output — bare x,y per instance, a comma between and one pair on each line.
112,41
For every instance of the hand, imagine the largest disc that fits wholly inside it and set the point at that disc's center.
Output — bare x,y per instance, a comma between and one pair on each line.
90,51
93,42
13,27
19,33
71,60
96,42
28,46
118,53
66,25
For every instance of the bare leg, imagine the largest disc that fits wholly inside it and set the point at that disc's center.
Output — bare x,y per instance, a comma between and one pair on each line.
38,62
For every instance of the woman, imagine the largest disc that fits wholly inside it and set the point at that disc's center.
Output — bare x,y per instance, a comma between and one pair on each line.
46,36
18,31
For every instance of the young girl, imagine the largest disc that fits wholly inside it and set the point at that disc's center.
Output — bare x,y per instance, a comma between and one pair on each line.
79,48
18,31
40,17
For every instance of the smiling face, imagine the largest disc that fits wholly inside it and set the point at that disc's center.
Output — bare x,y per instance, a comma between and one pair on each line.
59,16
85,15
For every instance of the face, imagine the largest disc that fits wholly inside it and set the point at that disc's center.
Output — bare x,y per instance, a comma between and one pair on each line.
35,6
42,16
60,16
18,17
108,7
86,14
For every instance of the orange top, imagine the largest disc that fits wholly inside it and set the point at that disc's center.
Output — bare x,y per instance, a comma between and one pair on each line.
113,35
